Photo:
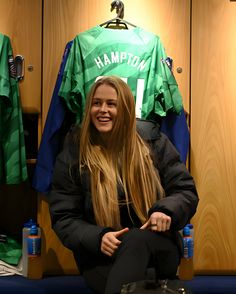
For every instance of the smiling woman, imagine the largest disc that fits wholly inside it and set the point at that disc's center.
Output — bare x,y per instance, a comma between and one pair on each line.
109,110
120,193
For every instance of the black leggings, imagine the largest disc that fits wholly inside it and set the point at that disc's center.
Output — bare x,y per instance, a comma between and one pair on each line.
139,250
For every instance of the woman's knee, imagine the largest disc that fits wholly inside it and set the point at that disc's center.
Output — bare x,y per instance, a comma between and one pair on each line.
136,238
153,242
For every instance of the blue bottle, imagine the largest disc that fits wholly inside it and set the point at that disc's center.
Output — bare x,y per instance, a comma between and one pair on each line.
35,266
34,242
186,269
191,230
187,242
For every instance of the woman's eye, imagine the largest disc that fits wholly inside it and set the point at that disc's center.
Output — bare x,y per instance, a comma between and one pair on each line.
112,103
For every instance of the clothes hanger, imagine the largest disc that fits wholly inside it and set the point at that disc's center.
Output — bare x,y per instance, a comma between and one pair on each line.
118,22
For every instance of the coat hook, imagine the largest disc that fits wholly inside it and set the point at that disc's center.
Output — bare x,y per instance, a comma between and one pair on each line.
119,5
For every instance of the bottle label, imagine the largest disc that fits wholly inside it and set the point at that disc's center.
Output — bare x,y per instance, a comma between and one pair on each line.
188,247
34,245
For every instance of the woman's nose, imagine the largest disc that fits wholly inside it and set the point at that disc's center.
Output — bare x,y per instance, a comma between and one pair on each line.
103,107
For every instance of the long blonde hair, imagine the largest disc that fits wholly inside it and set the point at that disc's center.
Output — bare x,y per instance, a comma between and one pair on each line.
124,160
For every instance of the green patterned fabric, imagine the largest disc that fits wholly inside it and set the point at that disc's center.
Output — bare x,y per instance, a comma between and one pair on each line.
10,251
13,168
135,55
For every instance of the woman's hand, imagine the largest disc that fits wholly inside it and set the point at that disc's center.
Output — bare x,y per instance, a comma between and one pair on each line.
158,221
110,241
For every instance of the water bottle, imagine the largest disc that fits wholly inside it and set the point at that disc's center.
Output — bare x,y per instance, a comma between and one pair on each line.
186,270
25,233
34,253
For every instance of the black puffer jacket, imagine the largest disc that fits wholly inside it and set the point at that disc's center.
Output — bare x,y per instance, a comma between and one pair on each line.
70,198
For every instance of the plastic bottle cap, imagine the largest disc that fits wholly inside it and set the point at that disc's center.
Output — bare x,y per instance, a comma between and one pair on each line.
29,223
33,230
186,231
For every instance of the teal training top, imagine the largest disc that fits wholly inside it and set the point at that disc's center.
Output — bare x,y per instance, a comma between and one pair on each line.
13,168
135,55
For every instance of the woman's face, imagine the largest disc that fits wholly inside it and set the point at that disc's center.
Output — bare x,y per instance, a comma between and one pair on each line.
103,111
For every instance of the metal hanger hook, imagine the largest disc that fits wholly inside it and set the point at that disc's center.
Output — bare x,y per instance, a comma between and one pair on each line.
119,5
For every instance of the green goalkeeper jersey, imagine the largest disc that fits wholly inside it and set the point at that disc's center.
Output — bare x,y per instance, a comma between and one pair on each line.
135,55
13,168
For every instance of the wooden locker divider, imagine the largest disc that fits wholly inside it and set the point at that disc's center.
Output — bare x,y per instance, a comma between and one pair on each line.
213,139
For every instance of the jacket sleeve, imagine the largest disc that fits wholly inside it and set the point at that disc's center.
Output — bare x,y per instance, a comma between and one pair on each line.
67,204
181,198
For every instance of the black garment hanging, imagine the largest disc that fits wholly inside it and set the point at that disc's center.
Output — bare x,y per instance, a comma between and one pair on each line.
118,22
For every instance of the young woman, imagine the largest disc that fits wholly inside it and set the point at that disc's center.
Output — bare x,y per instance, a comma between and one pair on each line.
120,193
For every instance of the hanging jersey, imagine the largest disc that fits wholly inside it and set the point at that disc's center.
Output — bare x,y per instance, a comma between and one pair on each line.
176,128
135,55
13,168
57,124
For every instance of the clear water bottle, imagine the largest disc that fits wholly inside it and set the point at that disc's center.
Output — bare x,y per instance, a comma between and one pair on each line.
25,256
25,233
186,269
34,253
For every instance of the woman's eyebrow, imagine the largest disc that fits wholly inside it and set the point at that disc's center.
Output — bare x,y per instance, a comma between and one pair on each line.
109,99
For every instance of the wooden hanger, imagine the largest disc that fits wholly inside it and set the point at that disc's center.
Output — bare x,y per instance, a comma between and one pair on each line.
118,22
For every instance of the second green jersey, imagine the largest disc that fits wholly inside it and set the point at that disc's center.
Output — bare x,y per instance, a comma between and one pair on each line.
13,169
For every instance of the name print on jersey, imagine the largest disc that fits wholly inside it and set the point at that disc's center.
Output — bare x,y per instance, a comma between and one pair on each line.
120,57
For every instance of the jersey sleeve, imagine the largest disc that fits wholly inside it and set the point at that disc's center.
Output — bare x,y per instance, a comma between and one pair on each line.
168,96
4,73
72,86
